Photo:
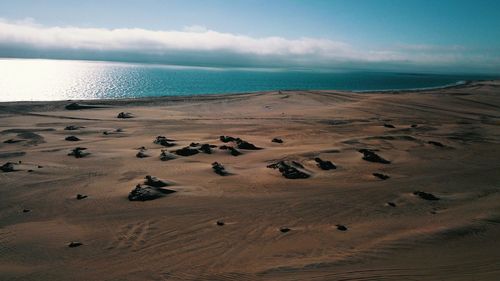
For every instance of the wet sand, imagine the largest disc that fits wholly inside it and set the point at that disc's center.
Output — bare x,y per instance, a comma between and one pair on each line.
250,222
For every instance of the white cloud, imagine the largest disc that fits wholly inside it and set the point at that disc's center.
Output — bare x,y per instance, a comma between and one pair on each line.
28,34
196,38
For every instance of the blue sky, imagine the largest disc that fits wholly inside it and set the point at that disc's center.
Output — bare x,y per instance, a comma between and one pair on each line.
377,34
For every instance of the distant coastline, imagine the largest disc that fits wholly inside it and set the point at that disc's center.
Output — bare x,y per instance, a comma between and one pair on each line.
446,86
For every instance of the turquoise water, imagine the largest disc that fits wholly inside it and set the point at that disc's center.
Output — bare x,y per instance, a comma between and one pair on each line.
28,79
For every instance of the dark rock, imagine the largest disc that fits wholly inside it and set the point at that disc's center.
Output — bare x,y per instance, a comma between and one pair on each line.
77,106
81,196
241,143
290,170
392,204
142,154
194,144
113,132
146,192
72,128
389,125
79,152
9,167
206,148
371,156
341,227
435,143
72,138
227,139
284,229
234,151
277,140
186,151
26,210
161,140
30,171
166,156
325,165
246,145
74,244
219,169
414,125
426,196
125,115
220,223
12,141
381,176
231,150
154,181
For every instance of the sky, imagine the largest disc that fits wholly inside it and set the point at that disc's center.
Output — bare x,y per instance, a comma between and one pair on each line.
401,35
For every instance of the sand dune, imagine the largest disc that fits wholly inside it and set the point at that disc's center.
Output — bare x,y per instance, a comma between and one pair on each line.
441,142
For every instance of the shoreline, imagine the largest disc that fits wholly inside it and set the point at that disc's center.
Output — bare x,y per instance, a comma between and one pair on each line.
457,84
206,97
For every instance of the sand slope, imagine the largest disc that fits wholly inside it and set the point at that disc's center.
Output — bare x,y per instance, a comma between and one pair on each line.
176,237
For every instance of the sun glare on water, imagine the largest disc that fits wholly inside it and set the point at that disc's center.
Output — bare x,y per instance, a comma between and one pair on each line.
49,80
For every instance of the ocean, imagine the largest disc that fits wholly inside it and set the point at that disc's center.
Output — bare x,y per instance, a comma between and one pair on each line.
43,80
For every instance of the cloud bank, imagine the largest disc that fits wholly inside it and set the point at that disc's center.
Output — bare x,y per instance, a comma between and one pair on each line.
196,45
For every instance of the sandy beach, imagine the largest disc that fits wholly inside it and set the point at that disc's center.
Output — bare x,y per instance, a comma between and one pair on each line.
411,190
